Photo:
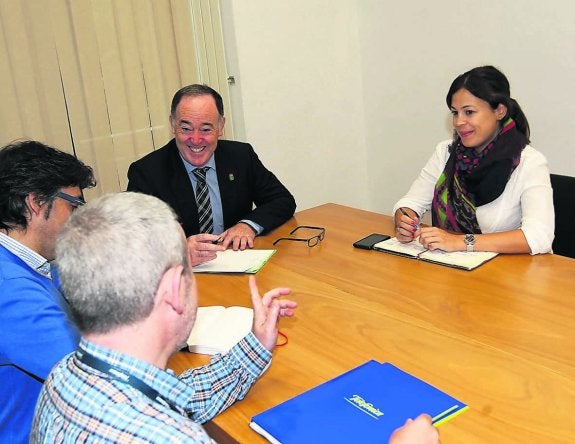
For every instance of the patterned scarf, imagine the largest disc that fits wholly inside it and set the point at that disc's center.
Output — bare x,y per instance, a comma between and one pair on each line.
472,179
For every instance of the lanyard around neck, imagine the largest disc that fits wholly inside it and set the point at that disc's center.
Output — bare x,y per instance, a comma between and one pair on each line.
122,376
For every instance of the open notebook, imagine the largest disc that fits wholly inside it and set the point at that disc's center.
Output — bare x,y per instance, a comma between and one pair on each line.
456,259
218,328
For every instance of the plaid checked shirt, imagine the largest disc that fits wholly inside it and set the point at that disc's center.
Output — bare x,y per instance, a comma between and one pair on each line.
81,404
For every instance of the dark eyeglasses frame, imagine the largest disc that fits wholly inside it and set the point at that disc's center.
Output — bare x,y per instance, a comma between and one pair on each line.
311,241
73,200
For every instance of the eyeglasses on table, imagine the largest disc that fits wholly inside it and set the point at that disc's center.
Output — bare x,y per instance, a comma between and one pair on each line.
310,241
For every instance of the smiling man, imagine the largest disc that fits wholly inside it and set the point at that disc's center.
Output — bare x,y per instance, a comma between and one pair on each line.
212,184
39,188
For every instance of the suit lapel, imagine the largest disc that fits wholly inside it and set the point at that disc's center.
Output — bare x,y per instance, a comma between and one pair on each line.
226,181
181,188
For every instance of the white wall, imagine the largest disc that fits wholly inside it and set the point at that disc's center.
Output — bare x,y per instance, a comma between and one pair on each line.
345,99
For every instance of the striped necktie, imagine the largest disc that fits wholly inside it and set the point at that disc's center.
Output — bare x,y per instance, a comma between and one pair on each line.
203,201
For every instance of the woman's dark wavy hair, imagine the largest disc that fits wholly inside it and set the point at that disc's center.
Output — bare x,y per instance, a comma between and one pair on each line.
30,167
491,85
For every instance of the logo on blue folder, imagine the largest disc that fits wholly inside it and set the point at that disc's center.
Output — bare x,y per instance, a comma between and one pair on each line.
366,407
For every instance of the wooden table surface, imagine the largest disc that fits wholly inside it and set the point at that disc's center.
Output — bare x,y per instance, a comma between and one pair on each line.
501,338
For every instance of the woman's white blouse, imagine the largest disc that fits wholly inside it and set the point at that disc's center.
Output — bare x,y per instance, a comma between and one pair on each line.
526,203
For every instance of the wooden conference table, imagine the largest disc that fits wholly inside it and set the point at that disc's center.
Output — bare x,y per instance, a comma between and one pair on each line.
500,338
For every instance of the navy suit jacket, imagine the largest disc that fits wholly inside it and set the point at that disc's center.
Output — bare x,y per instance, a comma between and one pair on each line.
242,178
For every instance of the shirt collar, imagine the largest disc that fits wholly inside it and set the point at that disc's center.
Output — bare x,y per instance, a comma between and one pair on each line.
189,167
165,382
35,261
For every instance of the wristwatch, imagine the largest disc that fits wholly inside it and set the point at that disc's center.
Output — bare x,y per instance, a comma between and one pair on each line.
470,242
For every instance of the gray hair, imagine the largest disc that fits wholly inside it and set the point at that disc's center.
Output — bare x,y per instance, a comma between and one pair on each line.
111,256
197,90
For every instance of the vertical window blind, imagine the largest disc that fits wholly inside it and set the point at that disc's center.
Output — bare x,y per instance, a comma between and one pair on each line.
96,77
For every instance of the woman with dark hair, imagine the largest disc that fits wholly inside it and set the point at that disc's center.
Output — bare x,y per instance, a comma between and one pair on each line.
487,189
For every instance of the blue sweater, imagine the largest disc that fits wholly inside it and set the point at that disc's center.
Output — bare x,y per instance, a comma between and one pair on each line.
36,333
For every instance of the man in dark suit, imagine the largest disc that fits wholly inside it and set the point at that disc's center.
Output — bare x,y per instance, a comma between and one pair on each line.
231,174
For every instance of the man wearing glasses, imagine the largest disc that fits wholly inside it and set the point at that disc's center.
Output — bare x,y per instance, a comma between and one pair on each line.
39,188
212,184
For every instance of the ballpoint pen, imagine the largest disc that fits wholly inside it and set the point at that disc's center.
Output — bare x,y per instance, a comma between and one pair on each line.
415,225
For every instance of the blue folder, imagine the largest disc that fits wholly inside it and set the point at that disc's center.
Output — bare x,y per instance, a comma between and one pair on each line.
365,404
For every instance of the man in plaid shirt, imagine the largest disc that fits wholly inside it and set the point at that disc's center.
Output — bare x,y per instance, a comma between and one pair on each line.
125,270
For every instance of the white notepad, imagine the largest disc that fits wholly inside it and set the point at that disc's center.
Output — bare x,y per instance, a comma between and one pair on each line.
230,261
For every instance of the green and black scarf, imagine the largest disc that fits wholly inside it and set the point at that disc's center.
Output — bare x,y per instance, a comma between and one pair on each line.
472,179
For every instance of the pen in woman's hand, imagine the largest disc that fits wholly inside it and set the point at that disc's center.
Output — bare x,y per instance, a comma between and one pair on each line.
415,225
